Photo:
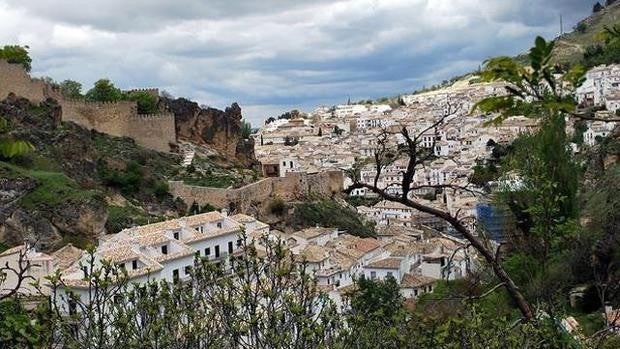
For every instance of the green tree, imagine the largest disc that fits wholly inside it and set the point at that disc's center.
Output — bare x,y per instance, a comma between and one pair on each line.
71,89
17,54
246,130
266,301
146,103
10,146
376,317
104,91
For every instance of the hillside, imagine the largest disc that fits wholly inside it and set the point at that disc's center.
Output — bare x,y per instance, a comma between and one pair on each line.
80,183
570,47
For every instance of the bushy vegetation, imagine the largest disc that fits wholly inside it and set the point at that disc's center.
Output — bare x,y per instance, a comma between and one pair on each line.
128,181
121,217
52,188
329,213
104,91
17,54
277,206
146,102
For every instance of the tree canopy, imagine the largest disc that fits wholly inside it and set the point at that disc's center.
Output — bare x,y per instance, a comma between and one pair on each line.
17,54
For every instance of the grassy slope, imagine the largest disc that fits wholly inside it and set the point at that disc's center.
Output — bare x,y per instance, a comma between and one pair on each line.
53,188
570,47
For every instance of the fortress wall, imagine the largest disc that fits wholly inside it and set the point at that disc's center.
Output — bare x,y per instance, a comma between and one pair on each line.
105,117
293,186
14,79
118,119
153,131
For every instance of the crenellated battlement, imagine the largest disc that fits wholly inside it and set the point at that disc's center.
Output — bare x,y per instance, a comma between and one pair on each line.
116,118
104,104
152,91
153,116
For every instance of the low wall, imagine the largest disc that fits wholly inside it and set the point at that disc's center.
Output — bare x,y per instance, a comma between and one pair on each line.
293,186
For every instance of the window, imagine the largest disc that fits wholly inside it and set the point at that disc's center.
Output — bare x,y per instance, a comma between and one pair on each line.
176,235
197,254
389,273
72,306
284,163
373,275
175,275
207,251
134,264
217,251
164,249
230,247
239,242
219,224
188,269
290,164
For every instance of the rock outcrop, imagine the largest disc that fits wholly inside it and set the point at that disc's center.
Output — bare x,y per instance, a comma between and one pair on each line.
221,130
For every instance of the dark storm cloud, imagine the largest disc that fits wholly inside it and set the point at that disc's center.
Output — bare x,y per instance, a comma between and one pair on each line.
276,54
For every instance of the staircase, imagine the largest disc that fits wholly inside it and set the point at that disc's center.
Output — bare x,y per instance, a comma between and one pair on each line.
188,156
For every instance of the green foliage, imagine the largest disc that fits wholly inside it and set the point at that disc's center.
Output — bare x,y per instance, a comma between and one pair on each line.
547,197
376,317
268,301
71,89
538,82
329,213
20,328
246,130
17,54
128,181
197,209
581,27
161,189
10,147
598,54
53,188
147,103
104,91
121,217
277,206
361,200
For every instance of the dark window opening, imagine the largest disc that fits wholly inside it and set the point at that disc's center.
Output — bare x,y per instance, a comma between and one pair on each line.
164,249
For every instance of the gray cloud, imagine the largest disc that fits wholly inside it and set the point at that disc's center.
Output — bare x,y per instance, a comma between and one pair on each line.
273,55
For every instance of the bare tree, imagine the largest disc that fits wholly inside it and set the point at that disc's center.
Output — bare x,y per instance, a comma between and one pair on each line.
19,274
416,156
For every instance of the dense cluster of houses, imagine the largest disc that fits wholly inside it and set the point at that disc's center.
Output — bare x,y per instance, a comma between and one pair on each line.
600,91
167,250
342,136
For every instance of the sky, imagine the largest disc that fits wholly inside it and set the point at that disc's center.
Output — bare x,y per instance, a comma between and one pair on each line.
272,56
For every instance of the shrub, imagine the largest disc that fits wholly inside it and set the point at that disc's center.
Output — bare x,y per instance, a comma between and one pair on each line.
277,206
17,54
147,103
160,189
329,213
104,91
128,181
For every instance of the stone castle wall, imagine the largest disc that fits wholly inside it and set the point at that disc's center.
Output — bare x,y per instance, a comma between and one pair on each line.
293,186
121,119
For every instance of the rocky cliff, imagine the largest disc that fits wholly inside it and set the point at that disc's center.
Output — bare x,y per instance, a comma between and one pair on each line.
221,130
